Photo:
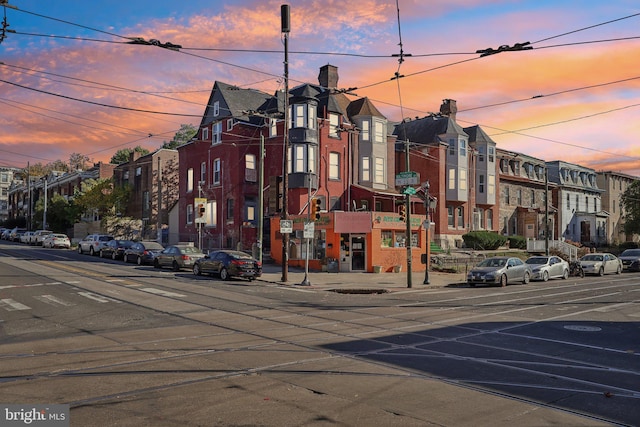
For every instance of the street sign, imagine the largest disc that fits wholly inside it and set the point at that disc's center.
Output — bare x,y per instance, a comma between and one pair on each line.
409,190
407,178
309,229
286,226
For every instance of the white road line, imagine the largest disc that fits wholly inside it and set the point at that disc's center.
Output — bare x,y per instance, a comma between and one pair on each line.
29,285
161,292
51,300
97,297
613,307
12,305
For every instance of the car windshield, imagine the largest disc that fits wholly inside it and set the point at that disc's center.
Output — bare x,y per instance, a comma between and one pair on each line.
537,260
190,250
105,238
500,262
59,236
631,252
153,246
239,255
592,258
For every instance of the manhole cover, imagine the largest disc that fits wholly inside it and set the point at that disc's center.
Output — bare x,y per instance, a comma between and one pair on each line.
359,291
583,328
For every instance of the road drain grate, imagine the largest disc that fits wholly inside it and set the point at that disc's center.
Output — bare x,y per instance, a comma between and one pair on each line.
359,291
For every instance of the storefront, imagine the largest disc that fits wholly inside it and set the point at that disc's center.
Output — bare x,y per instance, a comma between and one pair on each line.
354,241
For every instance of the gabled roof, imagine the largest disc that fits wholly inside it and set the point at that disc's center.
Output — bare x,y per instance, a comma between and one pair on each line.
363,107
428,129
476,134
236,101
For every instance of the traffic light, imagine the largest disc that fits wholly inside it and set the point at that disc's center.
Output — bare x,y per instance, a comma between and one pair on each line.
315,209
403,213
200,210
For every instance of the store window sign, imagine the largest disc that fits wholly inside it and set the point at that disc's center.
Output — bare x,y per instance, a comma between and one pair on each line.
388,219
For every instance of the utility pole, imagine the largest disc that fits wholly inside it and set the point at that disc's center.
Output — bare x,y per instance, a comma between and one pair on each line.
285,27
427,205
159,205
408,209
260,197
546,211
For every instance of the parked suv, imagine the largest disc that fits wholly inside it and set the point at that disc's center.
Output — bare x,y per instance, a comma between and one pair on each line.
93,243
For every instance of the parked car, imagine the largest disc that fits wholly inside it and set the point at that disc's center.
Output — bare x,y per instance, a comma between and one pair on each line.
500,271
548,267
5,234
93,243
143,252
16,233
56,240
601,264
38,236
630,259
115,248
227,264
26,237
177,257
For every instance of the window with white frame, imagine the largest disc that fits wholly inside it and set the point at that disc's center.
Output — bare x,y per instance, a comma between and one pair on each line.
139,171
189,180
365,132
463,147
334,165
189,214
334,124
216,171
492,184
301,159
212,213
205,134
216,109
366,169
250,161
303,115
379,172
460,216
481,153
489,219
217,133
481,184
299,156
452,147
452,179
230,123
491,153
450,219
203,172
273,127
463,179
379,130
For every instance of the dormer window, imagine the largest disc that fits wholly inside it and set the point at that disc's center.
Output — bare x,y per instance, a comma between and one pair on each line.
216,109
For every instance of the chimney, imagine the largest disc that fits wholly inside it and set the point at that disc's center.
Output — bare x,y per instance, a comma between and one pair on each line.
328,76
449,108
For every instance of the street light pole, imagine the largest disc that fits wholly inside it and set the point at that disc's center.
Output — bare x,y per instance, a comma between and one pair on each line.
305,281
285,27
427,205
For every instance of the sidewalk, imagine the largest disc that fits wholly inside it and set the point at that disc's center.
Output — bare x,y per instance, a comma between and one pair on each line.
386,282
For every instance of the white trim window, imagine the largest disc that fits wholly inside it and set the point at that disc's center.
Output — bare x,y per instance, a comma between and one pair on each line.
334,125
250,161
379,132
334,165
189,214
491,185
216,109
452,179
189,180
217,171
217,133
366,169
365,132
203,172
230,123
205,134
463,179
212,213
379,172
273,127
303,115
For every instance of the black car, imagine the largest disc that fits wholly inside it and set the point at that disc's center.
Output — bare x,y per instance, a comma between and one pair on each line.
143,252
631,259
115,249
228,263
177,257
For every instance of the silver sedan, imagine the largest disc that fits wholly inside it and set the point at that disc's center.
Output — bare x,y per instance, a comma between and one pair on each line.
500,271
548,267
601,263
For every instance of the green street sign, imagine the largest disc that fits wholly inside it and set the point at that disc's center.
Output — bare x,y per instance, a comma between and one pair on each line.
409,190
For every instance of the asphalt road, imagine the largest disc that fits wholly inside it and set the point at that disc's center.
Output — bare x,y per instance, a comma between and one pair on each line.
133,346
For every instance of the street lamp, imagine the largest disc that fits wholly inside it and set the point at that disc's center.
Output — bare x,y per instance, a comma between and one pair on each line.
428,204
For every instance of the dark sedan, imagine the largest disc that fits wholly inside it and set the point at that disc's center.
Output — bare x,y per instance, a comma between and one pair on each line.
177,257
143,252
228,264
630,259
115,248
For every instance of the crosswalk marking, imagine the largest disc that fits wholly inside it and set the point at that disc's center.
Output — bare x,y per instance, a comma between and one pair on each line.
99,298
52,300
161,292
12,305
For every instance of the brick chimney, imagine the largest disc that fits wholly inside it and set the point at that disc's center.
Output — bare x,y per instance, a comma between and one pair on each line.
328,76
449,108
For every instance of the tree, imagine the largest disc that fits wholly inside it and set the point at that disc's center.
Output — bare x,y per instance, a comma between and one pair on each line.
61,214
184,135
78,161
631,208
123,155
100,196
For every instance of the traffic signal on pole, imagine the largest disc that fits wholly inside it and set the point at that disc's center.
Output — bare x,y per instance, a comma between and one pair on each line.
315,209
200,210
403,213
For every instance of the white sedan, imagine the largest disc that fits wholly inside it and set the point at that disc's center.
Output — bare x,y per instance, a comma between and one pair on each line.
601,264
56,240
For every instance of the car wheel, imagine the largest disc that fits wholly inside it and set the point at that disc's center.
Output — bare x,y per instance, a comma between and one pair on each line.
251,279
565,274
619,270
503,280
80,249
545,276
196,270
224,274
156,264
601,271
91,251
175,266
113,256
101,253
527,277
139,260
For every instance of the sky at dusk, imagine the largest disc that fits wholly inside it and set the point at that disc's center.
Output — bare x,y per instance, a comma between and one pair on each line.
71,83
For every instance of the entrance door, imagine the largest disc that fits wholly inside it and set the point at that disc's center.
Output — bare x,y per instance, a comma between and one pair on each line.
358,252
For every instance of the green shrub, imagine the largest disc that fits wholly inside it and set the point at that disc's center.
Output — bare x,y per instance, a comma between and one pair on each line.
483,240
517,242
